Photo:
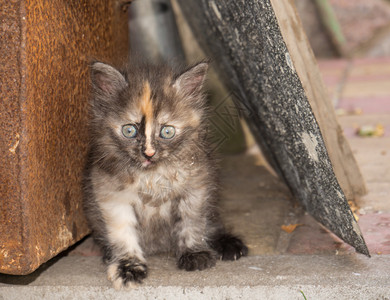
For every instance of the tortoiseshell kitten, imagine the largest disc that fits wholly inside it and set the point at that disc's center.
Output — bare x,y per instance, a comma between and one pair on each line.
150,181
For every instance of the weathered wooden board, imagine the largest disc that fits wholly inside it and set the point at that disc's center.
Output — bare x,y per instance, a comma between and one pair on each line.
44,51
245,40
344,164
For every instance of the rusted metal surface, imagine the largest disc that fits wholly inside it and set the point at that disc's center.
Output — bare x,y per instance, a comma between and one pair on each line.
45,47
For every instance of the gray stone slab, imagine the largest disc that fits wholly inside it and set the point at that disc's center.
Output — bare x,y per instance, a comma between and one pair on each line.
255,277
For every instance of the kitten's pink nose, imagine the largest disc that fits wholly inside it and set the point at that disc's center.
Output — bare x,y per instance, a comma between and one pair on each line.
149,153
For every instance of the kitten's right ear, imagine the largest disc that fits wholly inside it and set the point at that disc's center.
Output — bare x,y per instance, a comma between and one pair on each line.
106,79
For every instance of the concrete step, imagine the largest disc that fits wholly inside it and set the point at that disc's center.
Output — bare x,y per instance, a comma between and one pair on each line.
255,277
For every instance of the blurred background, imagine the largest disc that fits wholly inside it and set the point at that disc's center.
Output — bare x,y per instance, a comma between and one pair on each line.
343,28
351,41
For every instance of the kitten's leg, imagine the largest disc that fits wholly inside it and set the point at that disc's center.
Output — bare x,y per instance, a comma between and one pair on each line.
125,260
193,252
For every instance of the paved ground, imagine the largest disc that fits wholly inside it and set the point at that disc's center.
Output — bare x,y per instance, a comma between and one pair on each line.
257,205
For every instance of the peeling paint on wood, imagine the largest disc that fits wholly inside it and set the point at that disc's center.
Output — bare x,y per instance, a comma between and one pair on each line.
310,142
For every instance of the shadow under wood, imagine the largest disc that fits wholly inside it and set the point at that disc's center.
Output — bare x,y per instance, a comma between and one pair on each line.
254,203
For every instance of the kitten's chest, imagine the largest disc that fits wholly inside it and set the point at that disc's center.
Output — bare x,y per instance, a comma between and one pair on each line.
156,187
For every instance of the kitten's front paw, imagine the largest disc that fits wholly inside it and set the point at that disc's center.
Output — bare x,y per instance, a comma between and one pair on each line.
230,247
191,261
126,273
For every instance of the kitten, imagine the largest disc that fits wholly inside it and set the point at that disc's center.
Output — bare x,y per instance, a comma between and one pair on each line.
150,180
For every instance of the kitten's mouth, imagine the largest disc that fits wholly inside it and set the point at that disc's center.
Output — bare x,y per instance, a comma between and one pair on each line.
147,162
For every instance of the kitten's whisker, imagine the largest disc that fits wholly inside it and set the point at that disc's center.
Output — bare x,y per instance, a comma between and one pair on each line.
165,187
144,193
100,159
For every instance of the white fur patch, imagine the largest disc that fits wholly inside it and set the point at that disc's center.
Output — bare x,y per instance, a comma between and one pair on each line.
165,210
112,271
121,222
117,281
149,150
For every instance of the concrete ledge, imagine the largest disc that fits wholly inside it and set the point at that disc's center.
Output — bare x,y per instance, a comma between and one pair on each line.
257,277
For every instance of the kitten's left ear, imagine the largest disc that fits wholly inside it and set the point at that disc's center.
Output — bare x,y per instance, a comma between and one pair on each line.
191,81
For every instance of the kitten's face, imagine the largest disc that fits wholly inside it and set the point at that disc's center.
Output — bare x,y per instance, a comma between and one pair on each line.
151,120
151,129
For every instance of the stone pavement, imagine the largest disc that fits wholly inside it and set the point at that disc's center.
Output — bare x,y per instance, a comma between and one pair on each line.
290,253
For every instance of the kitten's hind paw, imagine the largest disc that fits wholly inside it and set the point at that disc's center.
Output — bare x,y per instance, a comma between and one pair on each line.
229,247
191,261
127,273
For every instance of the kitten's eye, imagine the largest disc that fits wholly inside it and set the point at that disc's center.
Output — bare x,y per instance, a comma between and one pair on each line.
167,132
129,131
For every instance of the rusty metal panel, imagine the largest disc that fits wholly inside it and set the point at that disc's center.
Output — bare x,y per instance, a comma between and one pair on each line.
45,47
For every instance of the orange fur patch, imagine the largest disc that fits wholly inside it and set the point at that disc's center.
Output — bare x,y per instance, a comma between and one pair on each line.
146,102
147,111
